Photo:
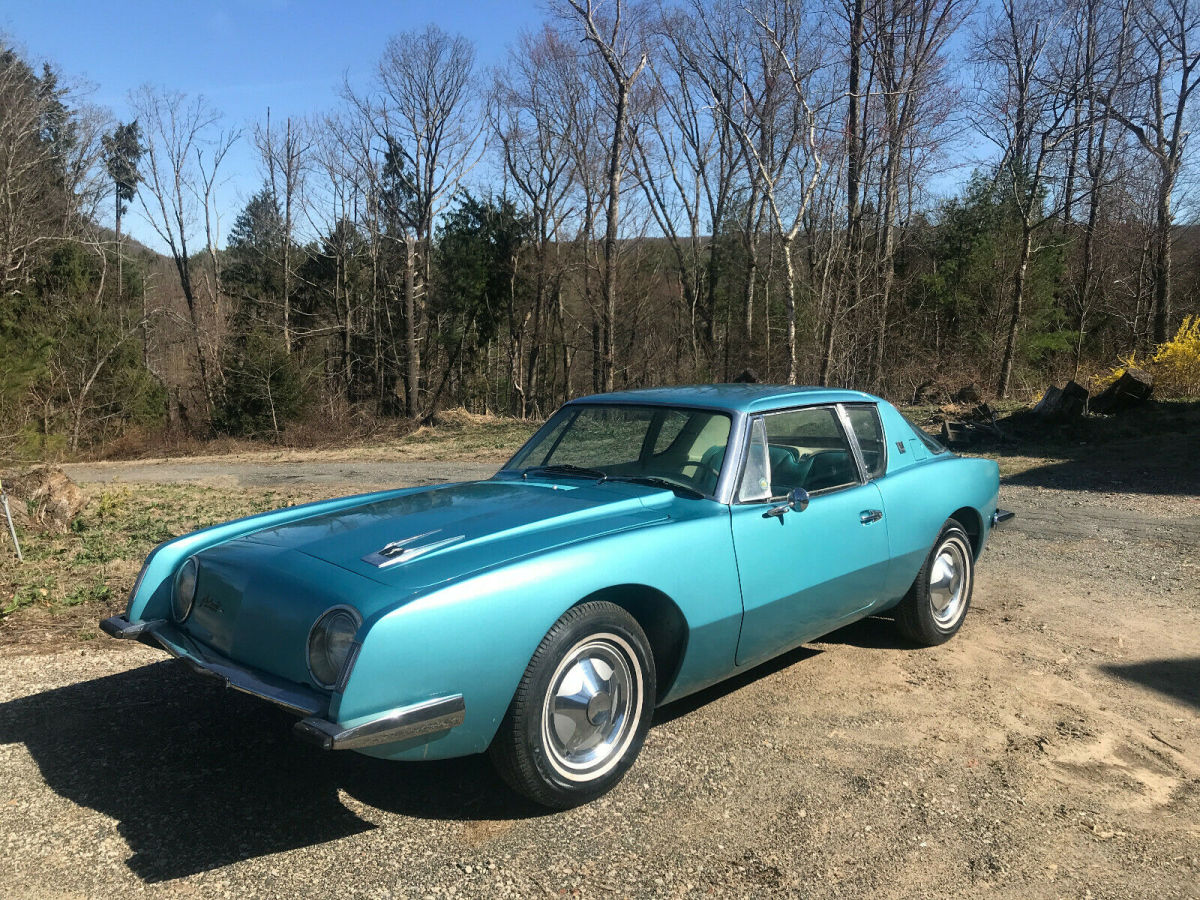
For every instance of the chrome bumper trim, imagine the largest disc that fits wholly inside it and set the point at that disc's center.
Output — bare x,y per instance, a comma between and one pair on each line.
1000,516
394,725
122,629
158,633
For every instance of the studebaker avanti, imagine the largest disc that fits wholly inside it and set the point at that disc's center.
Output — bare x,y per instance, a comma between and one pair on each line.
641,546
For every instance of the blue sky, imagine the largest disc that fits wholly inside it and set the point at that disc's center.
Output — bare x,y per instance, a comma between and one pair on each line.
289,55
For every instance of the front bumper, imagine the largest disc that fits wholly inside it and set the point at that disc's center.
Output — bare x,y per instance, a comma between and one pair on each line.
1000,516
400,724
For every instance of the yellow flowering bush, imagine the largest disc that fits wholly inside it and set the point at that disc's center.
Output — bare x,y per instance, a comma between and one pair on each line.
1175,364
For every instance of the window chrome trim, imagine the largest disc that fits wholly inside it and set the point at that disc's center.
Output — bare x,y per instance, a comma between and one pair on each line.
736,452
883,438
855,448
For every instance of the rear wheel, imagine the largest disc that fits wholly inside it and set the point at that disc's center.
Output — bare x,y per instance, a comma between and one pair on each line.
582,710
934,608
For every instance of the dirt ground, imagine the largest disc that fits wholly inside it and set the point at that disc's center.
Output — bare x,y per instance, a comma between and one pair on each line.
1051,750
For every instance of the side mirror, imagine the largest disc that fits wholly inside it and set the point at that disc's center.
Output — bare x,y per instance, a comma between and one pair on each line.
797,499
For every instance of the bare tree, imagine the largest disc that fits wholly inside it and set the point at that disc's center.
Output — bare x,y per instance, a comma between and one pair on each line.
1026,112
907,43
530,112
49,165
285,159
1159,74
624,56
688,160
422,111
184,151
781,128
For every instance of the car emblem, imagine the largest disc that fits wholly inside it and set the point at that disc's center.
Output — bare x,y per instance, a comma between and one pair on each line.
207,602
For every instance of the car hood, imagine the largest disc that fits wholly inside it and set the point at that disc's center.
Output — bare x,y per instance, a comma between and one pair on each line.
259,594
421,539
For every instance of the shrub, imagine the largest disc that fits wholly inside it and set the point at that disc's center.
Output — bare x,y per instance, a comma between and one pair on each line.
1175,364
264,387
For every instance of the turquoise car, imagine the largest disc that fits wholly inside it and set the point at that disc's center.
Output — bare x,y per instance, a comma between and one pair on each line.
641,546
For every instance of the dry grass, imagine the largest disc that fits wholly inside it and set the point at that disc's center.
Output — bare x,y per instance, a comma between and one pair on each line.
456,434
69,580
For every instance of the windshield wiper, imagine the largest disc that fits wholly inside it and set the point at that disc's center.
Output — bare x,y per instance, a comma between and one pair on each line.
566,469
655,481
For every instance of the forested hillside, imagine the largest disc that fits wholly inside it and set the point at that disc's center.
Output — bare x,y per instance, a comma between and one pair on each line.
868,193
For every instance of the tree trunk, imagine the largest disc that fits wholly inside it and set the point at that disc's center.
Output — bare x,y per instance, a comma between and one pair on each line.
613,218
790,277
1014,322
854,162
1162,259
413,362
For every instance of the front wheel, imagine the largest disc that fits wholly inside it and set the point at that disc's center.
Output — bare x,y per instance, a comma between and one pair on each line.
582,709
934,608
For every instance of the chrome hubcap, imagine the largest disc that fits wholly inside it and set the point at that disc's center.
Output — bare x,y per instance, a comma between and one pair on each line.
948,581
592,707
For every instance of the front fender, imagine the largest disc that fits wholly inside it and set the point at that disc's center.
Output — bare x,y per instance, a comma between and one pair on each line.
477,636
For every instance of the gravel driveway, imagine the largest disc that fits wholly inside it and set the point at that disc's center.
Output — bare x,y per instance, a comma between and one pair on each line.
1051,750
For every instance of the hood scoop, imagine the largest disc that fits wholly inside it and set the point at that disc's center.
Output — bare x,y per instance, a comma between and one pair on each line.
407,549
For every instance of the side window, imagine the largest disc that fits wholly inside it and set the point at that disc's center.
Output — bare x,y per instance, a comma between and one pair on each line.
807,449
756,476
865,422
931,443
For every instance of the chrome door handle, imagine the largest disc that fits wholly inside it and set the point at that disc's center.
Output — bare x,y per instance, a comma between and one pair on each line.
867,516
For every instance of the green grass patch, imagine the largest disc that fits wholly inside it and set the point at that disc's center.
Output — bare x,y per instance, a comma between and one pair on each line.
96,562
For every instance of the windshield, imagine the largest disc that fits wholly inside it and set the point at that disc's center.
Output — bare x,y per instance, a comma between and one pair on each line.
685,447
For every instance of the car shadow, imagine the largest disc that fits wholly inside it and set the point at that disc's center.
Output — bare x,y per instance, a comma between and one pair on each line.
692,702
871,633
198,777
1179,679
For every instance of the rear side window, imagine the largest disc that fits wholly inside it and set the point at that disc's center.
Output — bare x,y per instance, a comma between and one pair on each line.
932,443
864,420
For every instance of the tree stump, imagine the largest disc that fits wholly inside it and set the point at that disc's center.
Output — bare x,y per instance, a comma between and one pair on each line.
1133,388
1062,403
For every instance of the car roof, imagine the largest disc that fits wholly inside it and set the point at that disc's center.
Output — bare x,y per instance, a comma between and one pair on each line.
746,398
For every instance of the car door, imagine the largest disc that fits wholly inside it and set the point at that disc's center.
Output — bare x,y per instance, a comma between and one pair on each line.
804,571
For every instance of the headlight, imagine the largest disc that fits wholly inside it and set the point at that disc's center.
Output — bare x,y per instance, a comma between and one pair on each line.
185,589
329,644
